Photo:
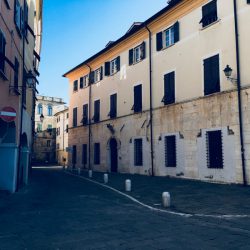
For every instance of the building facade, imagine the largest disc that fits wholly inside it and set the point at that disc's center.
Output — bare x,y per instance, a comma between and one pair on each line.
62,128
157,100
20,45
45,126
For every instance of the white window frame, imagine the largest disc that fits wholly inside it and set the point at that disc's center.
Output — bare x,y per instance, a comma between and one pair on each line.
113,66
170,34
137,49
97,75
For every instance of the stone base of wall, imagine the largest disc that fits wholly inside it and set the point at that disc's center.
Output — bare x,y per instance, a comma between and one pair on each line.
189,122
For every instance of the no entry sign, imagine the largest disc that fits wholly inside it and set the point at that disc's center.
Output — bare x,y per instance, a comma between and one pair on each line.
8,114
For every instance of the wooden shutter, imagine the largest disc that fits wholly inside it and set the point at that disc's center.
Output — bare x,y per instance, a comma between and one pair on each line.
118,62
85,114
2,51
176,32
159,44
143,50
170,151
16,73
97,111
169,88
92,77
107,68
248,1
138,152
84,154
74,117
101,73
113,106
81,82
131,56
209,13
215,153
138,98
211,75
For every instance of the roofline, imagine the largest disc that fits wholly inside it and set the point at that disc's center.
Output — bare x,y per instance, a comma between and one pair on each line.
142,26
62,111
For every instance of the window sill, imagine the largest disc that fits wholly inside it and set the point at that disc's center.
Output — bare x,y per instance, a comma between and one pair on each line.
3,76
211,24
167,47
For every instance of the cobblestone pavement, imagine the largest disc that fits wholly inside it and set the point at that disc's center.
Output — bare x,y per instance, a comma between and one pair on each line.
59,211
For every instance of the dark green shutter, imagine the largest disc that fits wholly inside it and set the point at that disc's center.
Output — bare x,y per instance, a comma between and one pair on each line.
248,1
113,106
91,77
74,156
75,117
176,32
101,73
107,68
209,13
85,114
170,151
84,154
131,56
138,152
118,61
159,41
143,50
169,88
138,98
211,75
97,153
97,111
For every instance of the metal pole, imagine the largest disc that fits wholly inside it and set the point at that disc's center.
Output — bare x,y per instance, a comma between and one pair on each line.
239,94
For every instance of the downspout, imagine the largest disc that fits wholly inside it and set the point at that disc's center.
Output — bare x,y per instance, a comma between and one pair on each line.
89,115
150,101
239,94
21,115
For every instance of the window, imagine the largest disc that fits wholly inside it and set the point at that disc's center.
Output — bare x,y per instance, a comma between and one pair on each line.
74,155
113,106
48,143
97,153
170,151
168,37
214,149
169,88
211,75
112,67
137,98
39,127
26,18
137,54
67,128
83,82
96,117
209,13
59,131
85,116
49,128
40,108
49,110
57,146
2,52
75,87
74,117
98,75
138,155
67,116
84,154
18,17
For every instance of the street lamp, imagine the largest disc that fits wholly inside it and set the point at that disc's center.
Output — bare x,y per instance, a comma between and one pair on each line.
228,72
41,117
30,79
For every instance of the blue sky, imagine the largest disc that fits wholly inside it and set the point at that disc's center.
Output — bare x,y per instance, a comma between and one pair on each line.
74,30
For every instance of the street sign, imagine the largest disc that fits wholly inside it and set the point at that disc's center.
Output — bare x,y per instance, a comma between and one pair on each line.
8,114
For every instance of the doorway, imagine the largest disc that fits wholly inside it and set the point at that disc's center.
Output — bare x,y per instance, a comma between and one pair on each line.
113,155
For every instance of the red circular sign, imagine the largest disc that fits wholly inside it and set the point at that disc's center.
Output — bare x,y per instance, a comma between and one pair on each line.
8,114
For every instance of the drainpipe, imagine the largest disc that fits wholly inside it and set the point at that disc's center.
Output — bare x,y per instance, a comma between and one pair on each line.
89,122
239,94
150,101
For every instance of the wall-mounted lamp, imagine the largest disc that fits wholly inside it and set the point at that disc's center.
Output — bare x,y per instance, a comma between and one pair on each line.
41,117
228,72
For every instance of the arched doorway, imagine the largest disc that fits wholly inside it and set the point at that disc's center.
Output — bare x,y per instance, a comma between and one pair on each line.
113,155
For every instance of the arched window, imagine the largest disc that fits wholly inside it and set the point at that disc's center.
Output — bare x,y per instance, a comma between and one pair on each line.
49,110
40,109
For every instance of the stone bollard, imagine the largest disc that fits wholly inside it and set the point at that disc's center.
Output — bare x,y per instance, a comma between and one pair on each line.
105,178
90,173
79,171
166,199
128,185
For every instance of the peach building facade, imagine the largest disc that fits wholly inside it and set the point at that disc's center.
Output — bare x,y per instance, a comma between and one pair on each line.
20,45
157,100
